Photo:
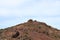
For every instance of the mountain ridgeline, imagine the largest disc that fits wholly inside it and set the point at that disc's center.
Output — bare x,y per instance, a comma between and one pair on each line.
30,30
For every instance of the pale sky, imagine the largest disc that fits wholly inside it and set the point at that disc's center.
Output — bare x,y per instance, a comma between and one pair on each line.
14,12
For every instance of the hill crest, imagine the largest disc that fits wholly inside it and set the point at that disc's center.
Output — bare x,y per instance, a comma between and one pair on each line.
30,30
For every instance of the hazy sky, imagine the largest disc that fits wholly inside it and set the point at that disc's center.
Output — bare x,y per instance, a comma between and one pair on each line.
18,11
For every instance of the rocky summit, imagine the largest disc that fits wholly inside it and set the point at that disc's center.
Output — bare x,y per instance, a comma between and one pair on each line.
30,30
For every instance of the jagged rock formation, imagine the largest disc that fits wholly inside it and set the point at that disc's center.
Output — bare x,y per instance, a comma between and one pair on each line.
31,30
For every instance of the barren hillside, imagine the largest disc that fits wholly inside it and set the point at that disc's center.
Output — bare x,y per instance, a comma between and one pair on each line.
30,30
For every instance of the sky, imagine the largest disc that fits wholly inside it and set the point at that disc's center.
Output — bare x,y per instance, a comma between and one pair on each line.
14,12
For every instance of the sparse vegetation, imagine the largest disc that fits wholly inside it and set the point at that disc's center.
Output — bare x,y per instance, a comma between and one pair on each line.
16,35
1,30
45,32
39,27
26,37
31,30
